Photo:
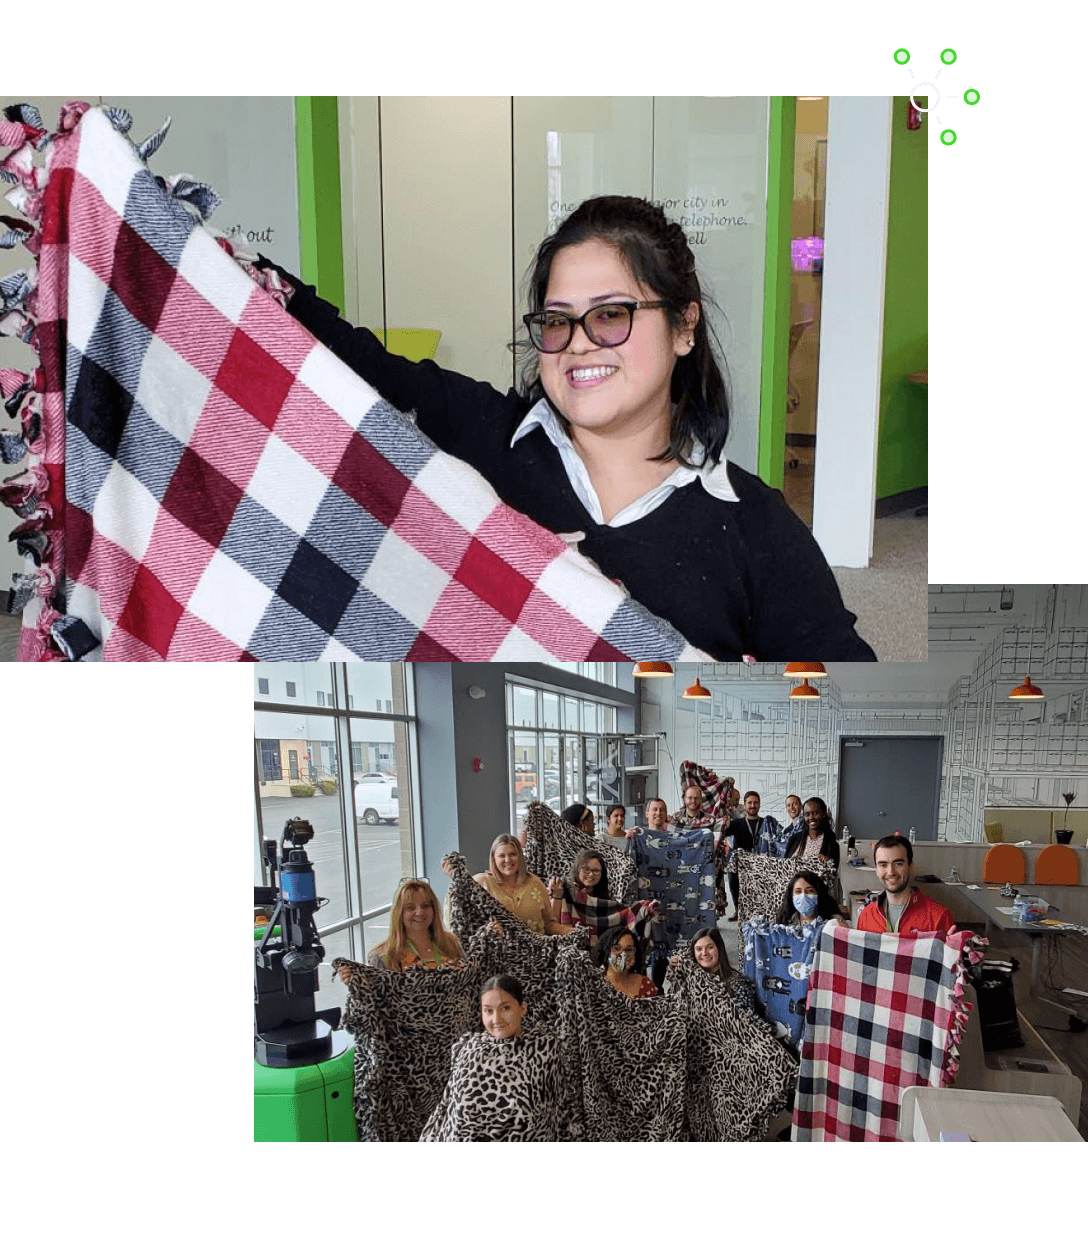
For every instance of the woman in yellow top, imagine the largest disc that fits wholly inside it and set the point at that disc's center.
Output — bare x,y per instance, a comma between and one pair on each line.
513,886
416,934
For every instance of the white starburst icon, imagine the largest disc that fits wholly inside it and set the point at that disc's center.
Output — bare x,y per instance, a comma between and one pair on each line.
926,96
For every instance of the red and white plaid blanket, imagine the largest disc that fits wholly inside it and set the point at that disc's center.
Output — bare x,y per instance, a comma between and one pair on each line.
884,1012
208,482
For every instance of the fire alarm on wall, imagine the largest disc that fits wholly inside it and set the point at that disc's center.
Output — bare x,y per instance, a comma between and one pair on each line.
477,764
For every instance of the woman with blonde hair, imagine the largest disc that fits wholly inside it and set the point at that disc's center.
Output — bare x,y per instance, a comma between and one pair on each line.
515,888
416,937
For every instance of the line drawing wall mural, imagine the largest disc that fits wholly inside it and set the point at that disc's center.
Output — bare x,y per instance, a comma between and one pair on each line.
997,752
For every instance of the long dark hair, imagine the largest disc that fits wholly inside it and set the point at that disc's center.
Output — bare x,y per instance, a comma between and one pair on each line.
657,253
825,902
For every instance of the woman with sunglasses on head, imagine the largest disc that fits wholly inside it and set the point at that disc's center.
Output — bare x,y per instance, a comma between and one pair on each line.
617,434
416,938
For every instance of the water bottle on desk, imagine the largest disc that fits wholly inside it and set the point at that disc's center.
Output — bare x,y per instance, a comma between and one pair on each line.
910,837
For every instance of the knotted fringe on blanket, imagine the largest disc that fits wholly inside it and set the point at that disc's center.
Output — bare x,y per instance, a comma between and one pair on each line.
207,482
778,959
738,1075
628,1056
405,1025
884,1012
513,1089
763,881
715,791
716,803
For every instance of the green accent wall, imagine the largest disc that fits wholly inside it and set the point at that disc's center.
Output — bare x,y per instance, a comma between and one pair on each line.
774,366
903,441
317,144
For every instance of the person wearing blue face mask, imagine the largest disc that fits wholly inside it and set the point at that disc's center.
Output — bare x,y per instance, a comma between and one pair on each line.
807,899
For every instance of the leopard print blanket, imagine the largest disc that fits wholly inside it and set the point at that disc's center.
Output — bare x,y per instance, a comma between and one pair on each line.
737,1073
515,1088
551,844
763,881
529,957
627,1056
404,1024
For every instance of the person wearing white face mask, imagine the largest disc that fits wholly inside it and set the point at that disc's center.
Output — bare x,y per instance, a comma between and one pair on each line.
806,900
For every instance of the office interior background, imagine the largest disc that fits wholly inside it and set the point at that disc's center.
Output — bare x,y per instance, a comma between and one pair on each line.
397,765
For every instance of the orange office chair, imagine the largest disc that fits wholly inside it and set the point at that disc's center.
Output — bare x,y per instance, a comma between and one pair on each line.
1056,866
1004,863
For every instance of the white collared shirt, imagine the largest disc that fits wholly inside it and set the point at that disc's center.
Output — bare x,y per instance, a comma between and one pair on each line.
715,479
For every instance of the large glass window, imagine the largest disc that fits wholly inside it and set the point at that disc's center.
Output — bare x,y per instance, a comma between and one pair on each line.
547,765
349,774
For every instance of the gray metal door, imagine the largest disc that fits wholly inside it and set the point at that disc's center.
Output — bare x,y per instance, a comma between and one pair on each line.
889,784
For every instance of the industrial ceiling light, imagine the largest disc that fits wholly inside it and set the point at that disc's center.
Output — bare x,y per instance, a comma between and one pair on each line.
804,668
698,690
653,668
805,691
1028,691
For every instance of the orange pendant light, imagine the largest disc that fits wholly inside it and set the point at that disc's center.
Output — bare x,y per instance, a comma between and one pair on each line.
653,668
1026,691
804,690
698,690
805,668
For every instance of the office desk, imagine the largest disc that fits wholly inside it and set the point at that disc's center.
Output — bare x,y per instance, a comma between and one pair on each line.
991,903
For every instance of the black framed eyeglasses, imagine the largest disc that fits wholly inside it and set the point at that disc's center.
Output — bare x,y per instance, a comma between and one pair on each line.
606,325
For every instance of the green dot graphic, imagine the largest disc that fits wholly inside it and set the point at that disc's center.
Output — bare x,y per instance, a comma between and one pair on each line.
901,55
971,97
948,138
948,56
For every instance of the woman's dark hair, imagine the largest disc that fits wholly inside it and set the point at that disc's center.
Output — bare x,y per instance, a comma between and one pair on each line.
575,813
657,253
587,854
510,985
715,936
825,902
609,939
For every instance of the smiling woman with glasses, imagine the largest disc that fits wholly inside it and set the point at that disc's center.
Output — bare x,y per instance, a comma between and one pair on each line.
616,437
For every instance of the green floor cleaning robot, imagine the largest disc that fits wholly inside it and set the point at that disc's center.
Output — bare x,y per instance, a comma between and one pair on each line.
302,1069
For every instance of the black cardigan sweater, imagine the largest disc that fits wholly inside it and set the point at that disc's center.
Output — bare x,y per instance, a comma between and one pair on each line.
735,578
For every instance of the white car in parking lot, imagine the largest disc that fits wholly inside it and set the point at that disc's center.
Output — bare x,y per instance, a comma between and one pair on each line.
376,798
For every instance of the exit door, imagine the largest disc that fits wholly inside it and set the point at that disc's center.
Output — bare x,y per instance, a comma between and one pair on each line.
889,784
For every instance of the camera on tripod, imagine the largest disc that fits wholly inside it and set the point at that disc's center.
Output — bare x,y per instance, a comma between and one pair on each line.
287,1030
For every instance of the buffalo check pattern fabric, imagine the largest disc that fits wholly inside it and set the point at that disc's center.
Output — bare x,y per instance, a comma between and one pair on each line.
884,1012
212,484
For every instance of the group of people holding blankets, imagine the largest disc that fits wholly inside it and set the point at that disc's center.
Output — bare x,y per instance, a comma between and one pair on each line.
533,1017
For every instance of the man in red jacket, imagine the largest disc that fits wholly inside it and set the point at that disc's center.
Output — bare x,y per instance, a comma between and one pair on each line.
898,910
